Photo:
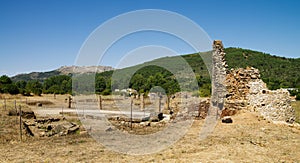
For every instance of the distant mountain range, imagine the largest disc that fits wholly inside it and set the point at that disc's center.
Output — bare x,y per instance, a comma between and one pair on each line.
64,70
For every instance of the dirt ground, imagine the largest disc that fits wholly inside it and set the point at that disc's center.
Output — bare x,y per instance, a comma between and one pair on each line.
249,138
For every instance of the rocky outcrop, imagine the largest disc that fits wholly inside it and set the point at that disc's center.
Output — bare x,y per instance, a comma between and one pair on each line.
83,69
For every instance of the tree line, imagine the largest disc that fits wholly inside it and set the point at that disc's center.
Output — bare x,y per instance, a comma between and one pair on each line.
61,84
143,81
276,72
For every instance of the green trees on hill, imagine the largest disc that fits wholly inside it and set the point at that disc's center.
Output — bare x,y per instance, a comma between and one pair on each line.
61,84
277,72
7,86
34,87
143,84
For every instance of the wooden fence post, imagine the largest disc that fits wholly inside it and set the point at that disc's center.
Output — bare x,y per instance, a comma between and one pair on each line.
4,103
70,101
16,112
100,102
20,115
159,103
142,101
131,102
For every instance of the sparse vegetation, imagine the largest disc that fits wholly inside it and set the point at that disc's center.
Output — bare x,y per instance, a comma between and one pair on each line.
296,106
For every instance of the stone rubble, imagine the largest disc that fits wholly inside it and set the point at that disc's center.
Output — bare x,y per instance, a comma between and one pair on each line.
49,127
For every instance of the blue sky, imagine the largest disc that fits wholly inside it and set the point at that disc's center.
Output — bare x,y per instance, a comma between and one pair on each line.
42,35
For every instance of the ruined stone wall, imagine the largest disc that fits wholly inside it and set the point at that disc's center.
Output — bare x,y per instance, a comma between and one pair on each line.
245,90
237,87
274,105
218,77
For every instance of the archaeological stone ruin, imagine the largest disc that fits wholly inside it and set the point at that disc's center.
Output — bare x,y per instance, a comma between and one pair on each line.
245,90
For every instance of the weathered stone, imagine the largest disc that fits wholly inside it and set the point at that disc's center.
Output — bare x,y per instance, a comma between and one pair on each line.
245,90
145,124
109,129
227,119
28,114
203,109
246,85
273,105
47,120
155,117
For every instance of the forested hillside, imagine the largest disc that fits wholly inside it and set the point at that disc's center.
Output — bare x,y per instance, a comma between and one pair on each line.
277,72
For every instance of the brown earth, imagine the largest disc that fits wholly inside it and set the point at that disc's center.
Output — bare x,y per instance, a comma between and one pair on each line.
249,138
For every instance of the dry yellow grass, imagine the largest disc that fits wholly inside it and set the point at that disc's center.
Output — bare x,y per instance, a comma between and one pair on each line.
296,106
249,138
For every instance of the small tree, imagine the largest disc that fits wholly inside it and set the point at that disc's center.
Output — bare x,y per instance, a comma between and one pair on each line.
298,96
34,87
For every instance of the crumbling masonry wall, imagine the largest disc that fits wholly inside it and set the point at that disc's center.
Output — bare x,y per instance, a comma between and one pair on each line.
245,90
218,77
274,105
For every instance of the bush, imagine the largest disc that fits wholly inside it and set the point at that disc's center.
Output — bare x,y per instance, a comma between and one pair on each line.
106,92
298,96
204,93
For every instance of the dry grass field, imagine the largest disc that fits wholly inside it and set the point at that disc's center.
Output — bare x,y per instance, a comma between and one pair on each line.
296,106
249,138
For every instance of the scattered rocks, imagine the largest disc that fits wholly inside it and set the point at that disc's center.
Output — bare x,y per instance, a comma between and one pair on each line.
49,127
28,115
145,124
109,129
47,120
156,117
203,108
227,119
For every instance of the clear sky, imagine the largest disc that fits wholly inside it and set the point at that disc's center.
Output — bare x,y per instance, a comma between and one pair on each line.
42,35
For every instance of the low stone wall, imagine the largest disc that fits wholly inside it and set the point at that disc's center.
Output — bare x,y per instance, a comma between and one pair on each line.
247,91
274,105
